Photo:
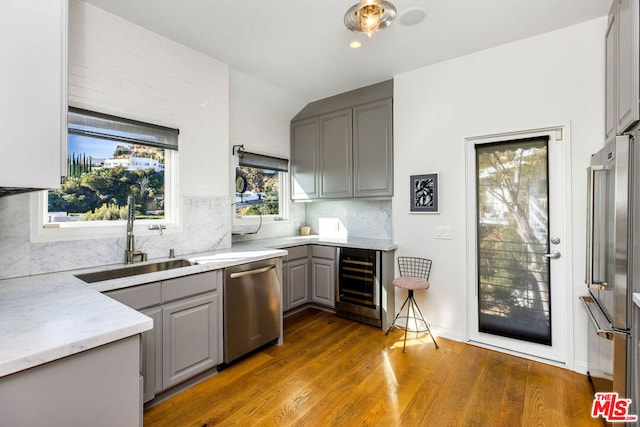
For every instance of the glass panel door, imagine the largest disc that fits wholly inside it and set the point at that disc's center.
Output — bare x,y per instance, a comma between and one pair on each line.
513,271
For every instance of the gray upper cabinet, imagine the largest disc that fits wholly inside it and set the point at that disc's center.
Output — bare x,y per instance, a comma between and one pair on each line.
342,147
610,78
336,146
622,67
373,149
304,159
628,91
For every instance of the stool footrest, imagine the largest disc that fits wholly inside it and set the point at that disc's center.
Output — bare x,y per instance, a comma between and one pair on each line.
416,318
405,327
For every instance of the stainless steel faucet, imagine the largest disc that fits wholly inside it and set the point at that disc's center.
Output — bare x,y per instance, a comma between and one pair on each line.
131,253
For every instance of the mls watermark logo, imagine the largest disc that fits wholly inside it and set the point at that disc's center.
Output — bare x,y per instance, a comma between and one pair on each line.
611,408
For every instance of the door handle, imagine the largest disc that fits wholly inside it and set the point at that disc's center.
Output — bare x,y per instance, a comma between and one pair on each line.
553,255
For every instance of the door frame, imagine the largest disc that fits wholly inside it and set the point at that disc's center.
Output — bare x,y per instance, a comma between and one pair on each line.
562,293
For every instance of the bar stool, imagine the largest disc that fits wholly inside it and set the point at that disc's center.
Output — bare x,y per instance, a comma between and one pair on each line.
414,275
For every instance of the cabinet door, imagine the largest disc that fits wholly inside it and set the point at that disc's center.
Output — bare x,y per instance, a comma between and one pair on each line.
323,281
304,159
628,56
298,282
373,149
610,77
151,355
190,337
335,142
33,83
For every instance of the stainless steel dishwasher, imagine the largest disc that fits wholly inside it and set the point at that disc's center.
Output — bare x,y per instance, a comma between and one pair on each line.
252,307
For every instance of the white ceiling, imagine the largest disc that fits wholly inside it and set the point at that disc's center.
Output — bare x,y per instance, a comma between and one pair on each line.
301,46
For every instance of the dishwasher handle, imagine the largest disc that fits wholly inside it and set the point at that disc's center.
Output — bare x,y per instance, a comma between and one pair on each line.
251,272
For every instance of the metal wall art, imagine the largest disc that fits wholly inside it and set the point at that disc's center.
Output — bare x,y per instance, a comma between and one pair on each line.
424,193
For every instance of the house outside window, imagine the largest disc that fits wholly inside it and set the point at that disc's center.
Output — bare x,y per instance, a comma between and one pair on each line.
110,158
260,187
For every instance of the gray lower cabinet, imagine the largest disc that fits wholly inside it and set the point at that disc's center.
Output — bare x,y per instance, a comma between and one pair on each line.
190,338
99,387
309,276
186,338
151,355
295,278
297,282
323,275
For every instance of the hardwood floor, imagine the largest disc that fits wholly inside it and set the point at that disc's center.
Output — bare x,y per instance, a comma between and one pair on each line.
332,371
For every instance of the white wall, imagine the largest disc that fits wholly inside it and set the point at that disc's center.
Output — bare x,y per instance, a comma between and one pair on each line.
260,117
120,68
548,80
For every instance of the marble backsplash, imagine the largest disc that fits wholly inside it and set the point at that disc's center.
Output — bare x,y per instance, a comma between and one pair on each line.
206,226
296,218
352,218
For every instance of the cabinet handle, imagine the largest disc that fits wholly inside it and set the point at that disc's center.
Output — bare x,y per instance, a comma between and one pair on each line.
251,272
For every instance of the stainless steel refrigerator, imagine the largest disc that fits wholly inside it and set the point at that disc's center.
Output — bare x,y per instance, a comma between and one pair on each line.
613,266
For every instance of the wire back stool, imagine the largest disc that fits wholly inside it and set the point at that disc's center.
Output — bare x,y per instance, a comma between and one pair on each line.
414,275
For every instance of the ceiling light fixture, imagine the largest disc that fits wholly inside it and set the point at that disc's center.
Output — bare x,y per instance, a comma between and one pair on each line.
355,44
369,16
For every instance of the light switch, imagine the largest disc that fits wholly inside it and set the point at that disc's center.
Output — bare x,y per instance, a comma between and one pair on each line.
443,233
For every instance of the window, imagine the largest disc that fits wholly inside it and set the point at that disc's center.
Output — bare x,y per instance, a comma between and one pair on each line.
110,158
260,185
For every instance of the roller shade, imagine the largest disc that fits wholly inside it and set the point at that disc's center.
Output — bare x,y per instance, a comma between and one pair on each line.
261,161
105,126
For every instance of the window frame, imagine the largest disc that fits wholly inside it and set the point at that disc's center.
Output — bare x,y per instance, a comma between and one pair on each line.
43,231
245,158
281,218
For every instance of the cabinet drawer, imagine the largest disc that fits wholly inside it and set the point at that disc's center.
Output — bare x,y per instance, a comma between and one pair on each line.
297,252
181,287
138,296
328,252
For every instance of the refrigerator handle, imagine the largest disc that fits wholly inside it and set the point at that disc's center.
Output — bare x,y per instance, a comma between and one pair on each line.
591,173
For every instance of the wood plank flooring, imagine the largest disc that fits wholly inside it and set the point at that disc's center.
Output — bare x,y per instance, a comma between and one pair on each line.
332,371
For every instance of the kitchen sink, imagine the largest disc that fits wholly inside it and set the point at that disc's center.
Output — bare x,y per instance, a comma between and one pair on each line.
100,276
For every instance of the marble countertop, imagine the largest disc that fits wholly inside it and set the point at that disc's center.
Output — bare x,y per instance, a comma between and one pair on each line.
47,317
636,298
51,316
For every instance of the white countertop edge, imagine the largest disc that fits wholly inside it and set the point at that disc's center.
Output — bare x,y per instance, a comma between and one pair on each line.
50,354
636,298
